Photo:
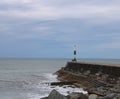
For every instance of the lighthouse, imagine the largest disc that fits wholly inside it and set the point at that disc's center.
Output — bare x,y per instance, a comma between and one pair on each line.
74,59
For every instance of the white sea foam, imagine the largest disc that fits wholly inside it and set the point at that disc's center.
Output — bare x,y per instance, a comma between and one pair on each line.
45,88
64,89
51,77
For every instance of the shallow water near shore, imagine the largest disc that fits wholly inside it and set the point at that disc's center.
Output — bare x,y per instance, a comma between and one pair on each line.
30,78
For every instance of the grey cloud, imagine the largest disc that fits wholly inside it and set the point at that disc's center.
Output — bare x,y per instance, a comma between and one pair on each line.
6,7
43,19
44,9
69,29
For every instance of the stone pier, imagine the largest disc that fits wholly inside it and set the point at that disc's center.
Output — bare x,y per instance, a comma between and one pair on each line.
110,69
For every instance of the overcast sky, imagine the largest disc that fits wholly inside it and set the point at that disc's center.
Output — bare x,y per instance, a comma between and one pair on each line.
50,28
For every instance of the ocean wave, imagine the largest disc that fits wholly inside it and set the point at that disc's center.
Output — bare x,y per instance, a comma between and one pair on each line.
13,84
51,77
36,86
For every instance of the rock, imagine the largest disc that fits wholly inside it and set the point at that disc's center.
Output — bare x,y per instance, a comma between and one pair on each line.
104,77
86,73
93,96
56,95
118,96
76,95
44,98
109,96
98,73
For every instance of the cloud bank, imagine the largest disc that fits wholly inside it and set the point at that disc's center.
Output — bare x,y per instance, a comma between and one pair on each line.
58,25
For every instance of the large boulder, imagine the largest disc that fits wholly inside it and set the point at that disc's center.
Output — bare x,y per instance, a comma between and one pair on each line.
56,95
76,95
93,96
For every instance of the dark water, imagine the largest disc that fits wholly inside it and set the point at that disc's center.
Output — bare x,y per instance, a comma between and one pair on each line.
27,78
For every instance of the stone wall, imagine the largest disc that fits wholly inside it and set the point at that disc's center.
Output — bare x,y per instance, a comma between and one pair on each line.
111,70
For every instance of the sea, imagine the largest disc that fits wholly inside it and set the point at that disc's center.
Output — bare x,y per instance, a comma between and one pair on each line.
31,78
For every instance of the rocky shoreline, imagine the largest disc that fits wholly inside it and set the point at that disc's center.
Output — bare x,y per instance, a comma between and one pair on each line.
99,85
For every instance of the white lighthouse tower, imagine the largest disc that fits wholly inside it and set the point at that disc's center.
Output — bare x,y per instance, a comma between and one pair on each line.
74,59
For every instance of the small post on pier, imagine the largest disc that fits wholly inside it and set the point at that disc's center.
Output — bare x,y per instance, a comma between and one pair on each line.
74,54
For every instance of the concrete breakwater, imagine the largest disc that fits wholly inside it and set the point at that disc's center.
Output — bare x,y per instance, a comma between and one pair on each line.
110,69
97,78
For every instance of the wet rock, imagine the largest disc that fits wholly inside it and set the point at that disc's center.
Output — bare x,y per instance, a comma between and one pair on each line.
56,95
76,95
93,96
